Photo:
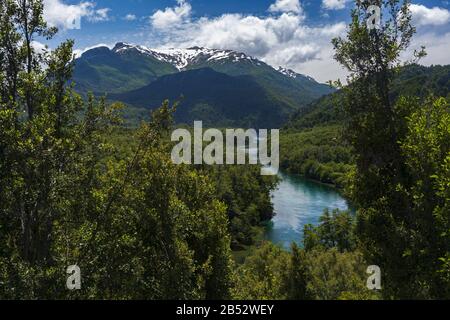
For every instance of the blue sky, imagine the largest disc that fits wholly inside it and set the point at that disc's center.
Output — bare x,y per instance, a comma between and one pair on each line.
291,33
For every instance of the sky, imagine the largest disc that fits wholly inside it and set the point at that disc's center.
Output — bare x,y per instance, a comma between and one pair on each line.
295,34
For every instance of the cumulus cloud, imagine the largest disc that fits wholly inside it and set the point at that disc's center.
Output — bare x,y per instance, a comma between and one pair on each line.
437,47
39,47
286,6
99,15
435,16
66,16
280,39
334,4
171,17
130,17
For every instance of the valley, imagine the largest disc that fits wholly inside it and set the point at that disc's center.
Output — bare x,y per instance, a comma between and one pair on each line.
220,87
224,88
107,191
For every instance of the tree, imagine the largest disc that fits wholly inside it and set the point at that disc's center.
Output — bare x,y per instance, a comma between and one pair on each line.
426,149
390,225
263,274
135,223
336,230
296,280
334,275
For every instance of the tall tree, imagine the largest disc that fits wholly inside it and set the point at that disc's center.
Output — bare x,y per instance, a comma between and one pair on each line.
388,221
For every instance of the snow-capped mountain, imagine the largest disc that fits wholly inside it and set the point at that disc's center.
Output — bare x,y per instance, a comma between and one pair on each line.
183,58
224,86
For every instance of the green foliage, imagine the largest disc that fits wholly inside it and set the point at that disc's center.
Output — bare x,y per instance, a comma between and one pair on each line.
335,230
426,149
331,263
333,275
247,196
318,153
262,275
296,277
399,150
241,188
130,219
319,274
329,267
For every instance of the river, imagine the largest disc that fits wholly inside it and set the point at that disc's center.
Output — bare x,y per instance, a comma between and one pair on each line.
298,201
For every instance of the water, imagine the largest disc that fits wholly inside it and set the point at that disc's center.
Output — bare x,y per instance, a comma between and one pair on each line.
297,202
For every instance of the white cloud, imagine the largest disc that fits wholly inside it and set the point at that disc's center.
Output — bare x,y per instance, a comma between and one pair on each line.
429,16
324,67
437,47
170,17
281,39
99,15
286,6
66,16
39,47
334,4
130,17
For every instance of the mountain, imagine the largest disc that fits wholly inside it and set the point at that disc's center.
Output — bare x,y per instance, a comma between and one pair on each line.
412,80
102,70
213,97
294,89
130,73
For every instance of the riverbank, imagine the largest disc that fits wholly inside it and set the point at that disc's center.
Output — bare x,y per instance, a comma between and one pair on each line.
319,153
297,201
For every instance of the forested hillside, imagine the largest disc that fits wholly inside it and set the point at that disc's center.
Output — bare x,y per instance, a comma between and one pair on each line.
411,80
215,98
79,188
396,122
312,142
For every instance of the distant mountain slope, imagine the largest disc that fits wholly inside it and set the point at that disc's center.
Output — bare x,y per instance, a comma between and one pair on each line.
292,87
413,80
126,68
214,97
102,70
420,81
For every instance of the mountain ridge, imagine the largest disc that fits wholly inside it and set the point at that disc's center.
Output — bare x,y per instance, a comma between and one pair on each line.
412,80
122,71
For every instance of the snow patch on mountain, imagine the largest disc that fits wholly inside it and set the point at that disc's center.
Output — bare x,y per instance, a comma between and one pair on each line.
292,74
182,58
287,72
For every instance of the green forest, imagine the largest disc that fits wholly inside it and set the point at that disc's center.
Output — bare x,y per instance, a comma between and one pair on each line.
80,187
